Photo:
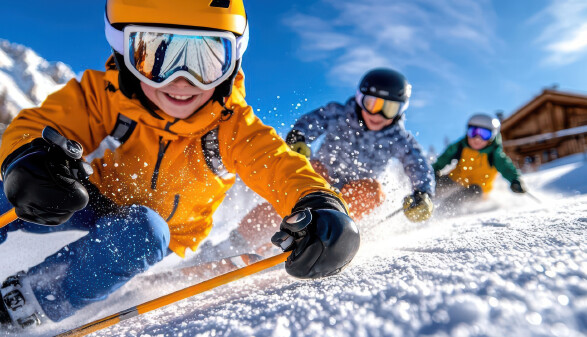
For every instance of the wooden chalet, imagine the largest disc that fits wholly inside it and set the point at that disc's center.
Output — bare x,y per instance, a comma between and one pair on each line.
551,126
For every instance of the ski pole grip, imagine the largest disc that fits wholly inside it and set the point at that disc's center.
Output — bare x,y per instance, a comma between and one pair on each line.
71,149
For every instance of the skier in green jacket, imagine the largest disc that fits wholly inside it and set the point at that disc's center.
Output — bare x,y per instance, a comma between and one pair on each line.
480,157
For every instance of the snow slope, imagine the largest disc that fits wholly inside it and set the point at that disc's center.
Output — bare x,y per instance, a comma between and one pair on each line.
517,269
520,270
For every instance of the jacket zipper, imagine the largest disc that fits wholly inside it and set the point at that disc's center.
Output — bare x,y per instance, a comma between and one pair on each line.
175,204
162,148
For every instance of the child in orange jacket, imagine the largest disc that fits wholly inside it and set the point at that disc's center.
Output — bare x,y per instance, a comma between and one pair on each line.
164,129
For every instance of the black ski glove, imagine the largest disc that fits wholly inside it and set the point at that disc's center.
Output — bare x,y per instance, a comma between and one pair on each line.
297,142
322,237
517,186
41,179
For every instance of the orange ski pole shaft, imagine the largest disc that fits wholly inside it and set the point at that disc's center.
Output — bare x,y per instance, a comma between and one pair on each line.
176,296
7,218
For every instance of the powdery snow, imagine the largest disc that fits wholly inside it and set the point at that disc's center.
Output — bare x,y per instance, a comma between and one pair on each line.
520,270
516,268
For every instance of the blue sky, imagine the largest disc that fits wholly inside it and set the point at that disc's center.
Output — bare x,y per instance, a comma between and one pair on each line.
461,56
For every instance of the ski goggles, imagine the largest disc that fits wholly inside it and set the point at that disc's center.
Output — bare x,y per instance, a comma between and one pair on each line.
158,55
484,133
376,105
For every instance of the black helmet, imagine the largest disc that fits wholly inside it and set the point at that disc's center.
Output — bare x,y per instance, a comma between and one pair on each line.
385,90
387,84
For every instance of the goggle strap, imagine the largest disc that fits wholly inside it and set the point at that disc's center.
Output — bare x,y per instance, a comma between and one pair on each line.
242,42
403,108
115,38
359,96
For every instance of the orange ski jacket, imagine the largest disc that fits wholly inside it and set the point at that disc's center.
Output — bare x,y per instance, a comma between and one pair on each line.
166,163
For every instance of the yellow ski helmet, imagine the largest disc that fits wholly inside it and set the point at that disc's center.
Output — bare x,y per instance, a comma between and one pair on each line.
228,15
212,15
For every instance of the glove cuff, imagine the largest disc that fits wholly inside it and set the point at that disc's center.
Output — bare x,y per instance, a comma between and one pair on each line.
295,136
419,195
320,200
14,155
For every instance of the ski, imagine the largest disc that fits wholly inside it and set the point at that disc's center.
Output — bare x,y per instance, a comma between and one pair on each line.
203,270
177,296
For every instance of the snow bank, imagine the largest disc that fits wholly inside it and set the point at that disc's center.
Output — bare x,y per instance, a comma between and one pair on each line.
520,270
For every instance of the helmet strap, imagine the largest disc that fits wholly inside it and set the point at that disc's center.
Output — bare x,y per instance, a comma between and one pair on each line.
127,82
130,86
359,113
225,88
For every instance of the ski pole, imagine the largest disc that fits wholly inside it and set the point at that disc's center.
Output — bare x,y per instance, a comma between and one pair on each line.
394,213
533,197
7,218
176,296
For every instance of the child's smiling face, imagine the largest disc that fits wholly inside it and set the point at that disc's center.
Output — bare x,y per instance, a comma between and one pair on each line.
477,143
179,99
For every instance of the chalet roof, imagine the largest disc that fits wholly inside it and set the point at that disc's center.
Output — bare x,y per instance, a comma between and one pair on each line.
547,95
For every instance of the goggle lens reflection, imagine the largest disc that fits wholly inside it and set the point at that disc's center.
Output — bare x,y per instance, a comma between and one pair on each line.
375,105
484,133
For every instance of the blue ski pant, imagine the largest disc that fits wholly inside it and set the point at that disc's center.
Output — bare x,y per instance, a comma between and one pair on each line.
120,244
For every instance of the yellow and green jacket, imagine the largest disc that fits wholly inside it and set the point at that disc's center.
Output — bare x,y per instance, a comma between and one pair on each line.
477,167
179,168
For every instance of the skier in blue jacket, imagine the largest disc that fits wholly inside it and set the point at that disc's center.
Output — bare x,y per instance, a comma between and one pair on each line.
360,138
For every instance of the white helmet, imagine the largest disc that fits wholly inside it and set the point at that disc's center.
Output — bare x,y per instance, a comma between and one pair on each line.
487,122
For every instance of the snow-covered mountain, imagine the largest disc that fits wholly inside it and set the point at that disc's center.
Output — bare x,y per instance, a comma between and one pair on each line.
518,268
26,79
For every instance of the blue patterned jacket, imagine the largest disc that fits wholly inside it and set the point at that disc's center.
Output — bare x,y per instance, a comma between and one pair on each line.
350,151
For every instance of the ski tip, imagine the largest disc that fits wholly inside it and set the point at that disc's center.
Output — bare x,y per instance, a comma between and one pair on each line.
244,260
